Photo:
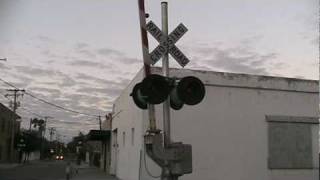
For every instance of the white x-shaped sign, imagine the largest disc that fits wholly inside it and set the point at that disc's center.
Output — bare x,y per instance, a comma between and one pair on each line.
167,43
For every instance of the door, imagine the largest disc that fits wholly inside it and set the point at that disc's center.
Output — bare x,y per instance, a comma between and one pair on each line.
114,152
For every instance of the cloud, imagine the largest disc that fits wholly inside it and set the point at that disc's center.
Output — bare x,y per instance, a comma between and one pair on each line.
240,59
81,45
315,41
36,71
46,91
108,52
128,60
118,82
67,81
248,64
86,52
52,77
4,67
112,54
87,63
104,92
44,39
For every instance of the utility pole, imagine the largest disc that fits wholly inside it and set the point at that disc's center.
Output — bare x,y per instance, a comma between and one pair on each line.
30,124
43,135
45,123
100,123
51,132
15,93
103,146
58,137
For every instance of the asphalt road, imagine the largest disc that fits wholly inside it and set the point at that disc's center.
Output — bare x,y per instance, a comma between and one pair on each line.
39,170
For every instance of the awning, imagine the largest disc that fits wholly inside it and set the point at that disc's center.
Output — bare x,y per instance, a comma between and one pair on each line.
98,135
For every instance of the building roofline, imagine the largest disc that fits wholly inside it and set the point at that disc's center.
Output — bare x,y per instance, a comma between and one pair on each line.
5,108
238,74
238,80
249,81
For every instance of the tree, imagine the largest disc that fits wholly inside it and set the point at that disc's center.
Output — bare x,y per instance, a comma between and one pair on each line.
31,141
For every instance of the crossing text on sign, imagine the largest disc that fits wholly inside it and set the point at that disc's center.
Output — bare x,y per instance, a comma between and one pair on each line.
167,43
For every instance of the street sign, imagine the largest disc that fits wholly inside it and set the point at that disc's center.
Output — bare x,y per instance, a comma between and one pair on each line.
167,43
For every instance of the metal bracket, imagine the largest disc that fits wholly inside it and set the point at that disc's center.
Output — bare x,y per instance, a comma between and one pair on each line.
177,157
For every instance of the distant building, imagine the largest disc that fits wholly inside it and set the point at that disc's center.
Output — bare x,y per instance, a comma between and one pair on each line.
106,144
99,141
248,127
7,117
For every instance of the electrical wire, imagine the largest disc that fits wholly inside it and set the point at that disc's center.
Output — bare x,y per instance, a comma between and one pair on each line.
117,114
58,106
38,115
49,103
7,83
23,108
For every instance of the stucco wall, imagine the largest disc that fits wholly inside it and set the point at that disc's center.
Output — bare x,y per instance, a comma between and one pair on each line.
128,117
228,130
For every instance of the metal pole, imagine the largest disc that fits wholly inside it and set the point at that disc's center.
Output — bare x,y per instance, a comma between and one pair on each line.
165,71
13,124
30,124
166,174
13,119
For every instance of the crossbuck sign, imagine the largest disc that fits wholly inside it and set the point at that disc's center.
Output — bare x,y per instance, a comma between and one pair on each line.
167,43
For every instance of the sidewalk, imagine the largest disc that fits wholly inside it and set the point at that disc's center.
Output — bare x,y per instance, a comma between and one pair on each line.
90,173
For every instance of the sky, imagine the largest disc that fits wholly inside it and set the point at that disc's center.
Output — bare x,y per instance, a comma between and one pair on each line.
80,54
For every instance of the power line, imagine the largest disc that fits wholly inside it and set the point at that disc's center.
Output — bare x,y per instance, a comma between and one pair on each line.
36,114
9,84
49,103
58,106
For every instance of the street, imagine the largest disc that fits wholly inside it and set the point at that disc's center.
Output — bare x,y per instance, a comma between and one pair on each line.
49,170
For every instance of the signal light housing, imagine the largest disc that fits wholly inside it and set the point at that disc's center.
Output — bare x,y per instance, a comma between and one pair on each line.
155,89
191,90
175,101
138,98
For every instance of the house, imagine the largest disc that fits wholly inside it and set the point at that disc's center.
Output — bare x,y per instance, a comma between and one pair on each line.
248,127
7,117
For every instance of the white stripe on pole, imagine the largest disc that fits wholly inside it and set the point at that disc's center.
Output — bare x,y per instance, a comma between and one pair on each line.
146,59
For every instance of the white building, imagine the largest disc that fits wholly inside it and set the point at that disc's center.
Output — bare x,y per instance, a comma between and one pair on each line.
247,128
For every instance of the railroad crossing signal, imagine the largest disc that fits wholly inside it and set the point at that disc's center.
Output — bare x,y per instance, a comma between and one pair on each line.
167,43
155,89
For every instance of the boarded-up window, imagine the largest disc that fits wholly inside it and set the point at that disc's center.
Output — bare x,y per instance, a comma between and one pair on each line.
290,145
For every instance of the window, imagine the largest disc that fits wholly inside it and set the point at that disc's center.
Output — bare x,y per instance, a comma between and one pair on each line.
132,136
123,139
290,143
